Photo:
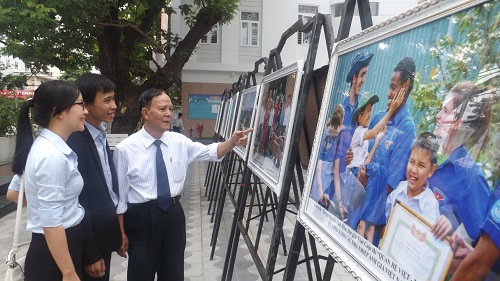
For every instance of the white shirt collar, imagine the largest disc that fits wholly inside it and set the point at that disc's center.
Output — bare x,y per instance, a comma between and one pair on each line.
148,140
56,140
94,132
420,198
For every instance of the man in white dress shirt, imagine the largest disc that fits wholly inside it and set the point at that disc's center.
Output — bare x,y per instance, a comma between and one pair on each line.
177,125
157,238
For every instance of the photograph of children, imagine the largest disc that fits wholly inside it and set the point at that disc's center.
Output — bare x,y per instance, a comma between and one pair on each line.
245,116
325,185
276,107
420,121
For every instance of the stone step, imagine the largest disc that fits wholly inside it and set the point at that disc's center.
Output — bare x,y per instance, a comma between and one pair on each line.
5,205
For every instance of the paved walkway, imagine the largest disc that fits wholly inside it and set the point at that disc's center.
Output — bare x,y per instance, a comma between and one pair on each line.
198,265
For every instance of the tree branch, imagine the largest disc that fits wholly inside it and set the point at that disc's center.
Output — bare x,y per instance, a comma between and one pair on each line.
158,66
158,47
145,24
172,70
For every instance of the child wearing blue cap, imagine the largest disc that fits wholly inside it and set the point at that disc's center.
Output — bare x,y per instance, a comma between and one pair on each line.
359,145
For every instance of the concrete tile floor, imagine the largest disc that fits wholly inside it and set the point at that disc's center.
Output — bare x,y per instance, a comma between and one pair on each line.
198,265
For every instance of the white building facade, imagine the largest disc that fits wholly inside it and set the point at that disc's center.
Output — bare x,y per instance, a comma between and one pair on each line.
14,66
230,50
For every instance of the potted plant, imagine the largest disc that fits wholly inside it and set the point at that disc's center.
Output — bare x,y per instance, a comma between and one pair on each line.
9,112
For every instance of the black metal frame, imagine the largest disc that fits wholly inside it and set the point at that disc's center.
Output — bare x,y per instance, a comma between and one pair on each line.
299,237
244,81
213,167
365,16
293,166
293,177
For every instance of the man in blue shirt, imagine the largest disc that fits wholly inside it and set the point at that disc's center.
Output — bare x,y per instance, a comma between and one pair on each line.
459,183
395,147
357,77
476,263
388,165
461,191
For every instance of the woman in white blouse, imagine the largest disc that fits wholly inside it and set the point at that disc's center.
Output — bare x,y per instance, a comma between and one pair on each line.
52,181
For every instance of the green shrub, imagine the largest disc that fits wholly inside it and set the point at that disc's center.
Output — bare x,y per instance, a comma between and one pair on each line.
9,111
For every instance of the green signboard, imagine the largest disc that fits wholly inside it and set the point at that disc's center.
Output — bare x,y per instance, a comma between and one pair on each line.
203,106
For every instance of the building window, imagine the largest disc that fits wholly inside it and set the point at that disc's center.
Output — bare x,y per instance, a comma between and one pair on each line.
338,9
249,29
212,37
306,12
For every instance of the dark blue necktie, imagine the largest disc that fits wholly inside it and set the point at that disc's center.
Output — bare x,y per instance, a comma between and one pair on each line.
162,186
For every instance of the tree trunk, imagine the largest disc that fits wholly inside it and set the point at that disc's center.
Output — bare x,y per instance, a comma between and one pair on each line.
115,64
127,114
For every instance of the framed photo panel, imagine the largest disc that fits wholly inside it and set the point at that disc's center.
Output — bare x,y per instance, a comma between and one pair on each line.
227,120
219,117
275,113
440,58
245,116
232,114
226,104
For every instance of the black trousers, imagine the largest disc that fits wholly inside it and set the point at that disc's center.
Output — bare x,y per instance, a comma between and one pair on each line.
157,241
176,129
107,262
40,265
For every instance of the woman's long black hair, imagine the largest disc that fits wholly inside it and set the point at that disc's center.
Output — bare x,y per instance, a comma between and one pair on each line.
50,99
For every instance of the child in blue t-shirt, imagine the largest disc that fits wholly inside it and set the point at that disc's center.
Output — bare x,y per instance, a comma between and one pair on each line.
324,175
359,145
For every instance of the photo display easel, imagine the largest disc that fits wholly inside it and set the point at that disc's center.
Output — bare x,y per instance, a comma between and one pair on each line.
427,43
272,201
424,34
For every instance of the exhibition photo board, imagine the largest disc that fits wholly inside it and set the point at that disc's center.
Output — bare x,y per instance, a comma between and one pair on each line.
275,113
219,117
222,116
419,88
227,118
232,114
245,116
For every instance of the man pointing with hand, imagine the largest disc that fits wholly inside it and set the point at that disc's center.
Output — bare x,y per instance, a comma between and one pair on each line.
151,167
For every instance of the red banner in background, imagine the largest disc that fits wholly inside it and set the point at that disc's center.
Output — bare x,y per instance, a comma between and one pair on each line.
19,94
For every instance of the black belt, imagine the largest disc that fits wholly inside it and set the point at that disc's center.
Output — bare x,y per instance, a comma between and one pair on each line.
175,200
150,203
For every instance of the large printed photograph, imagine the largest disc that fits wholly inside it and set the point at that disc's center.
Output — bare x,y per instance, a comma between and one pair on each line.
227,119
222,116
410,115
245,116
232,114
275,114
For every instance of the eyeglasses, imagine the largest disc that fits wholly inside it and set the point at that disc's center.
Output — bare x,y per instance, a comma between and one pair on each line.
81,103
